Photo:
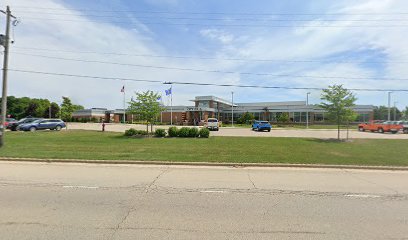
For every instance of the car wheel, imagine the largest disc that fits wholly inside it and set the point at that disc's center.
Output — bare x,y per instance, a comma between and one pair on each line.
58,128
361,129
32,129
380,130
257,129
269,130
406,131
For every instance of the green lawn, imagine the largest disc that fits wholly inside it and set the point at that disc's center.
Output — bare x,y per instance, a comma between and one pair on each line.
113,146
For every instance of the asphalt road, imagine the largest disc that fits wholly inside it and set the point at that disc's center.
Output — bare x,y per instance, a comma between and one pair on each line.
79,201
246,132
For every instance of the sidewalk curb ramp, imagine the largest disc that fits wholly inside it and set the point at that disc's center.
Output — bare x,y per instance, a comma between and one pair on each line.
206,164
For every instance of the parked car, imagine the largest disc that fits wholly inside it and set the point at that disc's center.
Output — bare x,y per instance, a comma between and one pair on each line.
13,126
213,124
41,124
380,126
261,126
9,121
404,126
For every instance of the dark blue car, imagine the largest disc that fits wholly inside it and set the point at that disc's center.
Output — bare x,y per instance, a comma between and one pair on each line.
42,124
261,126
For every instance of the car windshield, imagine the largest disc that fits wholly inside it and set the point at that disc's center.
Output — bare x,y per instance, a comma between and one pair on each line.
212,120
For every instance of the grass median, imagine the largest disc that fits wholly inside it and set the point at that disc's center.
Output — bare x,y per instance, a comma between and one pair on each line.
92,145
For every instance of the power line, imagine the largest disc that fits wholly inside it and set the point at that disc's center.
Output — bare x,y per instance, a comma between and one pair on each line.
200,84
219,19
207,58
213,71
212,13
317,25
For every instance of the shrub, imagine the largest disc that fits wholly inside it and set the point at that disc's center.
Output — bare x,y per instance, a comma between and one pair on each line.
160,132
204,133
130,132
141,132
133,132
184,132
173,132
193,132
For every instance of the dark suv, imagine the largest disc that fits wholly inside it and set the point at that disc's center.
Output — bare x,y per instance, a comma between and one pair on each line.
41,124
13,126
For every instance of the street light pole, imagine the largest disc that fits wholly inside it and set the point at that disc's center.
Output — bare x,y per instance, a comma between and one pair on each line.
307,110
232,108
389,106
5,43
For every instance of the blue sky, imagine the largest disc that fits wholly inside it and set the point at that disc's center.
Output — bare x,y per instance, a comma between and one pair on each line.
335,42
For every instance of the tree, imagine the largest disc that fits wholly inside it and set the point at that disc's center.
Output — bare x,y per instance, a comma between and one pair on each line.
54,109
282,117
67,108
246,118
381,113
405,113
146,107
338,103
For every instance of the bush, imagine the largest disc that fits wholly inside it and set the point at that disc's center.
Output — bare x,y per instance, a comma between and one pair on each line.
173,132
184,132
160,132
130,132
141,132
133,132
193,132
204,133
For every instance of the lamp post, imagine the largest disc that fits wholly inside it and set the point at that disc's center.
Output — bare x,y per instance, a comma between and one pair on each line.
232,109
389,106
307,110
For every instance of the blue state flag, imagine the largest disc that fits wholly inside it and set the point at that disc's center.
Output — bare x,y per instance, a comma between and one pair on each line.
168,91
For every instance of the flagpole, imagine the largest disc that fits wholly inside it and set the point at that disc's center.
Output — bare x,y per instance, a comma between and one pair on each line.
124,104
171,105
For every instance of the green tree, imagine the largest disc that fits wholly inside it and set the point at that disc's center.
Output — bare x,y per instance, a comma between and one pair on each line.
67,108
246,118
338,103
405,113
282,117
146,107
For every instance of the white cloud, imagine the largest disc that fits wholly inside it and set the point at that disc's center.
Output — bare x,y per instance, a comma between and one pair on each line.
219,35
257,43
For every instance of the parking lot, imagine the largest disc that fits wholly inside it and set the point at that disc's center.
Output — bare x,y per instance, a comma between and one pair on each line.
246,132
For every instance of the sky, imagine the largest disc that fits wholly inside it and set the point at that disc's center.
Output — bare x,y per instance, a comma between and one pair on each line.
317,43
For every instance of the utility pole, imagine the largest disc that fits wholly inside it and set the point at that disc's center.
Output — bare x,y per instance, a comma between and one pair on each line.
6,43
389,106
232,108
307,110
49,111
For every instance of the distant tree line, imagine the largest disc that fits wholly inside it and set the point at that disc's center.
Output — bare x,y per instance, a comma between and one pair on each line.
41,108
381,113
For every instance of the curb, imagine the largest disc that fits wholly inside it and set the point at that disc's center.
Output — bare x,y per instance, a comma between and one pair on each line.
205,164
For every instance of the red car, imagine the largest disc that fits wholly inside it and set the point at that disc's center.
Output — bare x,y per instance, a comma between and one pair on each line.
380,126
9,120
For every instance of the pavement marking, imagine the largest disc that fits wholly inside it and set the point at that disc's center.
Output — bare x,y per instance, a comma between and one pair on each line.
212,191
82,187
362,196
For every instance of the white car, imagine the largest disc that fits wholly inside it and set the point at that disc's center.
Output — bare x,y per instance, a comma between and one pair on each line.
213,124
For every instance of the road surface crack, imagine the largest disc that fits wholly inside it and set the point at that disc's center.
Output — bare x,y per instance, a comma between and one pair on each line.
133,208
249,178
